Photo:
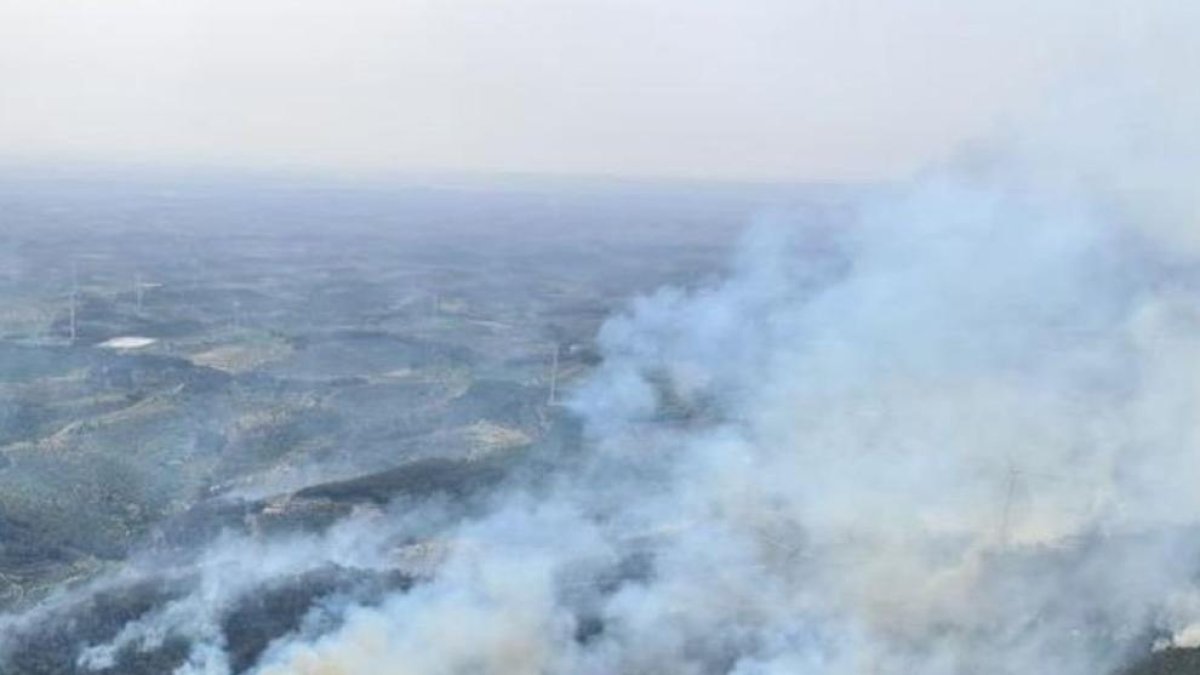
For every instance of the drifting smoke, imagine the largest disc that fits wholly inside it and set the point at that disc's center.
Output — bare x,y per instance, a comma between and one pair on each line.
956,435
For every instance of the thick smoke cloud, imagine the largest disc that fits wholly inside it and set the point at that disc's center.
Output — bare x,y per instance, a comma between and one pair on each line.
954,435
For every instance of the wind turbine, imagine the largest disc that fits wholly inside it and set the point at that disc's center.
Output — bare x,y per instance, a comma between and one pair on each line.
74,294
553,375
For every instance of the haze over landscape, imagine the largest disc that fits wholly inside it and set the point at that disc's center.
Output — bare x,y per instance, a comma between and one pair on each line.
599,336
760,89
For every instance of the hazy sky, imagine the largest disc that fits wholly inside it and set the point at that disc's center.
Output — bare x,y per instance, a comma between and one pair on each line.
780,89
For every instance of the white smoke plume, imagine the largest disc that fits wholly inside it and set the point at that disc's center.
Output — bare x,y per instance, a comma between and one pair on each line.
957,434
